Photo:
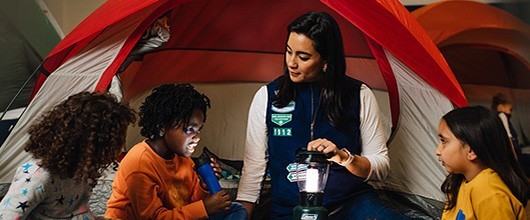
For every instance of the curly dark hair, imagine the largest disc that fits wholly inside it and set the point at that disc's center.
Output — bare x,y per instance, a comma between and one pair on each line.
168,105
81,137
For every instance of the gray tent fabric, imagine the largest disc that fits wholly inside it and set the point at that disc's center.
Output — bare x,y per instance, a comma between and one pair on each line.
17,61
34,22
26,36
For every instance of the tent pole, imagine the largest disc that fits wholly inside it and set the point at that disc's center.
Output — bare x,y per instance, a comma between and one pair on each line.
19,91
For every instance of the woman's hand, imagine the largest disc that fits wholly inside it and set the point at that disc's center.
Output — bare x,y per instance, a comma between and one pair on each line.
357,165
217,203
328,148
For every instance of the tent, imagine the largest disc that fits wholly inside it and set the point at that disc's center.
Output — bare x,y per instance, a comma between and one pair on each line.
242,41
27,34
489,51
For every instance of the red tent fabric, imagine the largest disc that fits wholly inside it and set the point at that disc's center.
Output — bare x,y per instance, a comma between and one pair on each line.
483,44
488,50
231,32
244,41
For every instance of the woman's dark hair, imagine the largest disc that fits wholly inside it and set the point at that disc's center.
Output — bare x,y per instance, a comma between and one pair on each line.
336,87
483,131
169,105
499,99
81,137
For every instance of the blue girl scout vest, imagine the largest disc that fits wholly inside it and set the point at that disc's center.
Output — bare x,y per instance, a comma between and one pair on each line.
289,128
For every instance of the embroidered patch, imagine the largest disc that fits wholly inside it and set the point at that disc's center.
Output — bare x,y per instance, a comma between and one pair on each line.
281,119
282,132
292,167
286,109
292,176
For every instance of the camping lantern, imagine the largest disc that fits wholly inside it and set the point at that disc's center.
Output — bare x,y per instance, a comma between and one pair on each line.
312,174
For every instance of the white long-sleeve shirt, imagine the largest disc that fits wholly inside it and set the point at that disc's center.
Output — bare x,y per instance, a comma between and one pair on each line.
373,139
504,120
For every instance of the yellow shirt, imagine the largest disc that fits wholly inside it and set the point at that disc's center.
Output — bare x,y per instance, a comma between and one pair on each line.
485,197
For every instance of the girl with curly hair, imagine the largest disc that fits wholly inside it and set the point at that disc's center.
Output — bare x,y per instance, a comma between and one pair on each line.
71,146
484,181
156,179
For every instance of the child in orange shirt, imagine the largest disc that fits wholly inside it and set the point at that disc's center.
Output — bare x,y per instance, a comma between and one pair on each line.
156,179
485,181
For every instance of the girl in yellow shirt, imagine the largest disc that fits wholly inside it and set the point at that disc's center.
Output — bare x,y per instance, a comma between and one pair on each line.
485,181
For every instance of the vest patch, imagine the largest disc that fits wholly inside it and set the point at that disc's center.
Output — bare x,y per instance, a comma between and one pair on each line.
281,119
282,132
283,141
286,109
292,176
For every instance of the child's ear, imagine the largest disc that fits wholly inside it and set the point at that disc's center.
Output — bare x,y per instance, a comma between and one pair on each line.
471,154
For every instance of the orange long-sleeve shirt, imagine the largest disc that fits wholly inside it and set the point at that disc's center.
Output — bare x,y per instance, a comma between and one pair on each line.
146,186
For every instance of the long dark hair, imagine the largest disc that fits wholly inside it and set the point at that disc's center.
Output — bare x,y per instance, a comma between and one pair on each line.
483,131
336,87
499,99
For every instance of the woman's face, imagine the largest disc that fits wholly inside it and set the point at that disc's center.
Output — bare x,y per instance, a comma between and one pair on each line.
303,61
505,108
451,151
183,140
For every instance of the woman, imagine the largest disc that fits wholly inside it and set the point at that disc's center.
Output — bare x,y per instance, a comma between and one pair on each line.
503,107
315,105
